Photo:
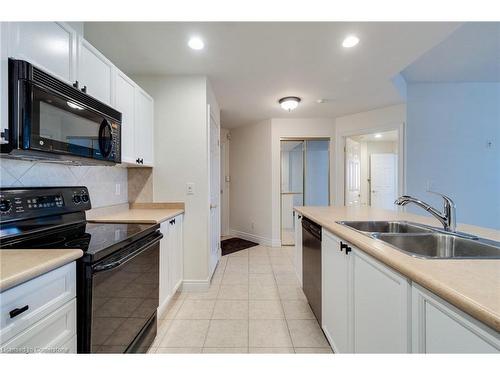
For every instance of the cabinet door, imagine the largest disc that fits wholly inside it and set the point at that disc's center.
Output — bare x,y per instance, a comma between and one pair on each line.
50,46
164,265
336,301
144,127
439,327
298,246
381,307
124,93
94,71
180,249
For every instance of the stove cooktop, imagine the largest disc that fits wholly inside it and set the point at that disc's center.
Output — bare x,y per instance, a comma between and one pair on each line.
96,240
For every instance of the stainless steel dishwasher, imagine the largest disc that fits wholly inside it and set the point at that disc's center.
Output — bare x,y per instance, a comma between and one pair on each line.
311,265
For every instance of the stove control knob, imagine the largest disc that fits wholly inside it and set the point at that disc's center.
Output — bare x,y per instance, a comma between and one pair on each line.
77,199
5,206
85,198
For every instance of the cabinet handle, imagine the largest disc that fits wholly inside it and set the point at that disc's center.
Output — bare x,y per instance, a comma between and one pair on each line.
172,222
348,250
18,311
343,246
76,84
138,161
84,89
142,161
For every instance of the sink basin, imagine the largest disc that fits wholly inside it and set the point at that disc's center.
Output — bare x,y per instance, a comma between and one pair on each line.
440,245
386,226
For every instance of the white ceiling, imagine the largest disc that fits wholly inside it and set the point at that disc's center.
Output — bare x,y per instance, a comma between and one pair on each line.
470,54
252,65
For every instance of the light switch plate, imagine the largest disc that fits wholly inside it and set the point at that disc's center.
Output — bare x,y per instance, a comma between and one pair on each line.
190,188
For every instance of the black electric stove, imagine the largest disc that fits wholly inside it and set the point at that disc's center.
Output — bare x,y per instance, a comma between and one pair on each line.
117,277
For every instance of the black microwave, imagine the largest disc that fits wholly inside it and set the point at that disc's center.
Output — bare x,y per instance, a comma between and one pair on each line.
52,120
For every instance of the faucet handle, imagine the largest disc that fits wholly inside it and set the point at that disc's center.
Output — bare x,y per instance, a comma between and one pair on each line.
447,200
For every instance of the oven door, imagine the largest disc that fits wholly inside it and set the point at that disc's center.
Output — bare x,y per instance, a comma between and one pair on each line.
54,123
125,298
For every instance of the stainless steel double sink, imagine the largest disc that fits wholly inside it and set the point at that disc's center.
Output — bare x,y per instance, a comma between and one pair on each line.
427,242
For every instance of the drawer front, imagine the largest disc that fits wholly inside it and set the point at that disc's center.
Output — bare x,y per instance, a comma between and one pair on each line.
52,334
42,295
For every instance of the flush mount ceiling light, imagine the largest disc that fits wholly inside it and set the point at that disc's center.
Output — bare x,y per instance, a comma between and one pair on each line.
378,135
289,103
196,43
350,41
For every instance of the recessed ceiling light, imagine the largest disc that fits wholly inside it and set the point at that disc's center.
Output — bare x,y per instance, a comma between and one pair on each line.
289,103
378,135
350,41
196,43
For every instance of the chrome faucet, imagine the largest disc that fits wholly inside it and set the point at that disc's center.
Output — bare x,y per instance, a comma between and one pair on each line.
447,218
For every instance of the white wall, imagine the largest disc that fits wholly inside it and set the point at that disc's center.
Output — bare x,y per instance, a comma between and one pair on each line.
100,180
250,170
225,185
386,118
448,131
181,157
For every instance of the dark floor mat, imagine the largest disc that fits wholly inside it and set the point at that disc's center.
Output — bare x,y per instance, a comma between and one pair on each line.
233,245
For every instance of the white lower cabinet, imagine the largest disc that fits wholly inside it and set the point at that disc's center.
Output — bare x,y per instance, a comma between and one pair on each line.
298,246
381,306
367,307
40,314
171,260
439,327
335,294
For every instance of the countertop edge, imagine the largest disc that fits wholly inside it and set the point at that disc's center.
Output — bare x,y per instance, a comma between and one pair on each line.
124,216
32,272
460,301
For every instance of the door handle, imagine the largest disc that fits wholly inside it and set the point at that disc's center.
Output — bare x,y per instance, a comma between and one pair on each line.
213,206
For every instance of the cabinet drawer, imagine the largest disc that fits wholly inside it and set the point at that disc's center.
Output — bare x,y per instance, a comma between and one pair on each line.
52,334
42,295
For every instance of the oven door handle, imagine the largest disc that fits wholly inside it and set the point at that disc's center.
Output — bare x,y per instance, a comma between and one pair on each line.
120,262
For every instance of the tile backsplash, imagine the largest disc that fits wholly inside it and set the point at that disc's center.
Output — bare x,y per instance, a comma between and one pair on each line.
107,184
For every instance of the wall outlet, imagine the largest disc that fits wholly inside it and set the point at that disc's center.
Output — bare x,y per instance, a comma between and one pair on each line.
190,188
117,189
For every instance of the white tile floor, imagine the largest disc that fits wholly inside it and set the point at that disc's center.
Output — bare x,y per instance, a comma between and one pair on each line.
254,305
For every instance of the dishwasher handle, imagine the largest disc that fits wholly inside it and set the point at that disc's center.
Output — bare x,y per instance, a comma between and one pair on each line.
312,228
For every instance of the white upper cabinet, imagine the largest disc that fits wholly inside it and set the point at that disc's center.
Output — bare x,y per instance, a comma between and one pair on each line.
124,101
94,72
144,127
50,46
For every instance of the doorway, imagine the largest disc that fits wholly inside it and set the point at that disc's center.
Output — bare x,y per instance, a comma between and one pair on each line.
305,179
372,170
214,192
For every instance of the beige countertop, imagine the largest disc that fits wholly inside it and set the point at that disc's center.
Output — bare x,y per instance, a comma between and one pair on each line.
473,285
141,213
20,265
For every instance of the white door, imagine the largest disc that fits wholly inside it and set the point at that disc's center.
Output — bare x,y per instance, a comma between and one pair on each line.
50,46
124,102
383,177
352,173
224,190
336,310
214,230
144,127
94,72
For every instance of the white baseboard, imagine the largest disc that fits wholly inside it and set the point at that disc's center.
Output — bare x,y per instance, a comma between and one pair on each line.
163,308
195,285
254,238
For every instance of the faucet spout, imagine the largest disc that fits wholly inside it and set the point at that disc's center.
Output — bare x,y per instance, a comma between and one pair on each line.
447,218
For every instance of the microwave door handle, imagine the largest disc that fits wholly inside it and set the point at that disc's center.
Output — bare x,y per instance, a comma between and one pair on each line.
120,262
